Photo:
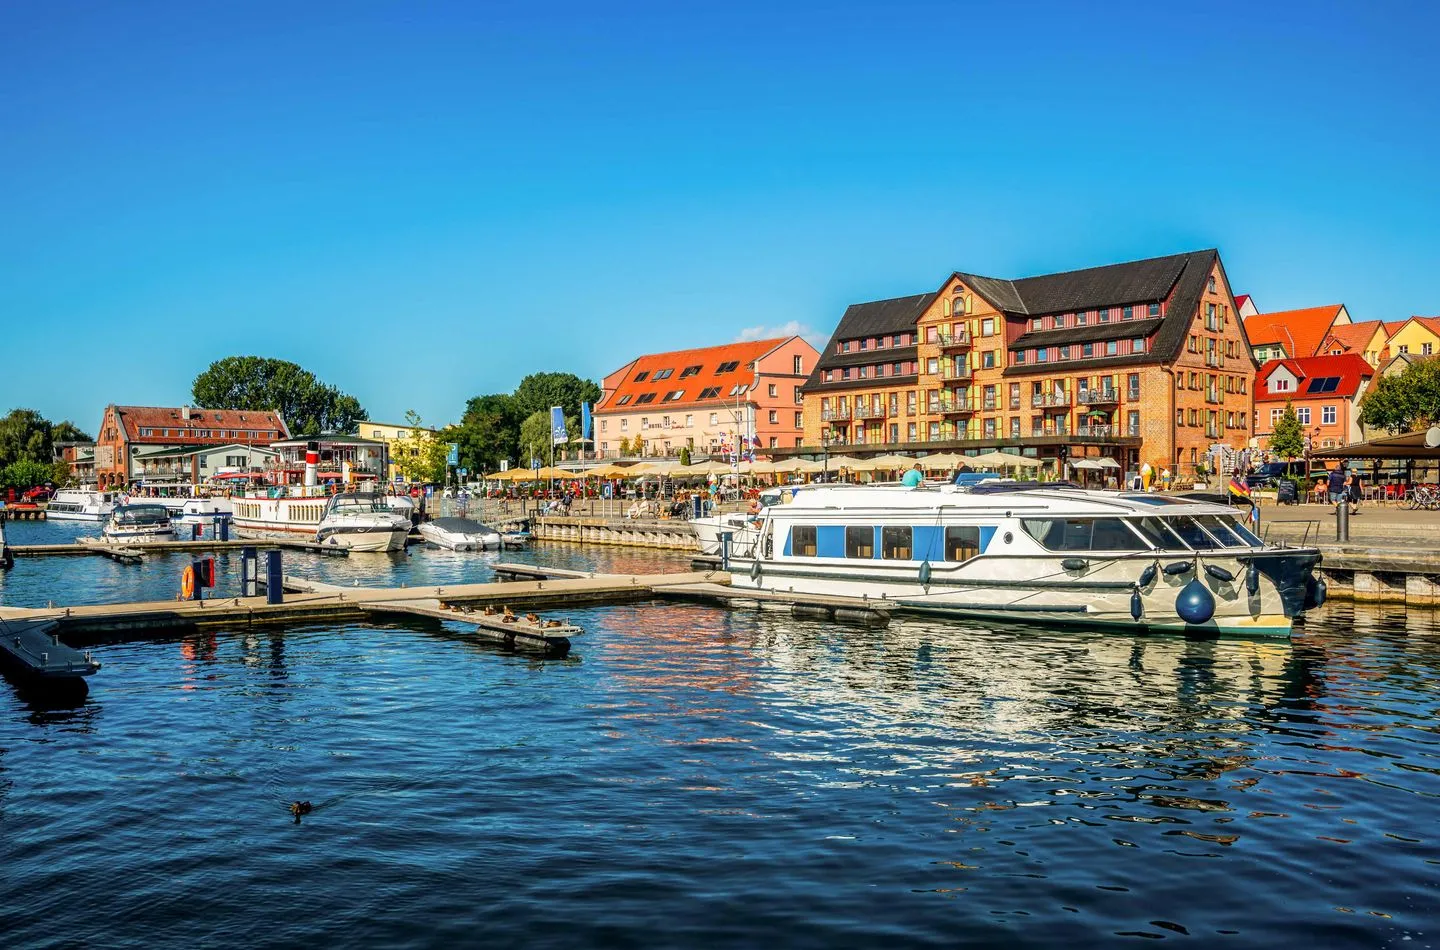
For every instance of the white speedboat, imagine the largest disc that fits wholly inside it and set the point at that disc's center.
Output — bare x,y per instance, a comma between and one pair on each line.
460,534
1049,553
81,504
140,522
362,521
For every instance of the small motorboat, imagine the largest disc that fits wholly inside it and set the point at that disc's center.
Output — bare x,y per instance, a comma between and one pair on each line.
514,540
138,523
460,534
362,521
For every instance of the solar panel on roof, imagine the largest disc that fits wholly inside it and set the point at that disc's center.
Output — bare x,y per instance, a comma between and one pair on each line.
1323,384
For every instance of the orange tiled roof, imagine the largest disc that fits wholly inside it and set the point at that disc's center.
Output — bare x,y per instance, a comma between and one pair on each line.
1352,337
1350,368
1300,331
640,382
135,418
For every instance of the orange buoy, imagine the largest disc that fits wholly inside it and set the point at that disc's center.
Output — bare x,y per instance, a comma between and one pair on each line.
187,583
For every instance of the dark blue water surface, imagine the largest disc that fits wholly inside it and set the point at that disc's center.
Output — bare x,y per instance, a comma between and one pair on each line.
692,776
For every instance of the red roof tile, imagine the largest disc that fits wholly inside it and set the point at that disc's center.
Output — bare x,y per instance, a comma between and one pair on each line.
691,373
1300,331
1352,337
1350,368
155,418
1241,300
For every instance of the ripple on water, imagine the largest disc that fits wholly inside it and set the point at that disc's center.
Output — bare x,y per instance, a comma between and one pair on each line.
696,776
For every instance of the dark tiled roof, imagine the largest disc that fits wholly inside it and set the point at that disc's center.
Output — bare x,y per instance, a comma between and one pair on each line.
882,382
896,354
1083,365
876,318
1091,333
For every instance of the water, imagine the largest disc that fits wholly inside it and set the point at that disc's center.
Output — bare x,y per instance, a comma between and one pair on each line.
692,776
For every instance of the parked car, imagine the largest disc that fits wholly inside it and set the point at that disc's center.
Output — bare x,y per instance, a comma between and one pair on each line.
1268,474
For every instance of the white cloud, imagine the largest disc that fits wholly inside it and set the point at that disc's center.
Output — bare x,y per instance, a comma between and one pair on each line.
793,328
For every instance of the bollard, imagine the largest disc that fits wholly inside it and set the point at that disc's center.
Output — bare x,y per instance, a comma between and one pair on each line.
1342,520
249,572
195,531
725,537
274,578
222,529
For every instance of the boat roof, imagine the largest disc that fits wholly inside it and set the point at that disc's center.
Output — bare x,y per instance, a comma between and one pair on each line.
1024,498
464,525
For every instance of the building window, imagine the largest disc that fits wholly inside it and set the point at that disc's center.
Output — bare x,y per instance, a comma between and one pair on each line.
910,432
1404,348
799,366
1137,345
1327,415
1179,417
624,425
1019,357
1127,313
1303,414
1037,323
1153,310
1112,348
987,359
774,417
1064,352
1103,315
987,326
1281,385
1212,283
1088,350
1080,319
641,376
1275,415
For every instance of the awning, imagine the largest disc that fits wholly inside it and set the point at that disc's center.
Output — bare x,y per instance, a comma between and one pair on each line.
1408,445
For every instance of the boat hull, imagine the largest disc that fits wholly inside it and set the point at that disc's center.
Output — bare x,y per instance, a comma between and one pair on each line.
454,541
138,534
366,540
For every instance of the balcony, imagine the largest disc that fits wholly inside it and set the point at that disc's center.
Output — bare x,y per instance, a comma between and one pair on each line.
841,414
990,403
1099,397
1095,431
952,407
1133,430
1038,400
1015,404
871,412
953,341
956,373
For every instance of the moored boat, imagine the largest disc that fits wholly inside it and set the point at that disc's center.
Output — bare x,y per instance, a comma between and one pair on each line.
1047,553
362,521
80,504
460,534
138,522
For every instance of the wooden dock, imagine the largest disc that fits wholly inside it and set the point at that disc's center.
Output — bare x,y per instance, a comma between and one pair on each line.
100,623
97,546
23,513
32,649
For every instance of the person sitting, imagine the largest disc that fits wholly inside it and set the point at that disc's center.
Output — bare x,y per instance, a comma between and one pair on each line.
913,478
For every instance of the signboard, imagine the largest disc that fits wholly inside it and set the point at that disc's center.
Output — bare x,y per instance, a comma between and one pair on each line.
464,472
535,464
453,458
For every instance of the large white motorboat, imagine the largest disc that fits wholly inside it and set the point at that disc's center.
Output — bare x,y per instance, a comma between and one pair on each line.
139,522
81,504
460,534
362,521
1033,552
741,525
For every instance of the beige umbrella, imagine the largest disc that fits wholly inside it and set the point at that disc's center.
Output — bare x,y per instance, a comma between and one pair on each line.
944,460
842,461
891,463
758,467
791,465
609,470
1002,460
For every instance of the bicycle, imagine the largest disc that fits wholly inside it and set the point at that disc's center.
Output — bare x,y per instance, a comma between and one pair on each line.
1423,496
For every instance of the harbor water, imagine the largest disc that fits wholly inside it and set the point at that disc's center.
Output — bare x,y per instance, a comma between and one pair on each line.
692,776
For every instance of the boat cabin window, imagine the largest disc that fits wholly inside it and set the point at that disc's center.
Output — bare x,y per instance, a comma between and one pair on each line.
1227,531
962,542
1158,534
1249,537
1192,533
896,543
1082,534
802,540
860,541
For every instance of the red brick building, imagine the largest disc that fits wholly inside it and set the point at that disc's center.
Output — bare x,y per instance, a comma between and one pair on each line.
126,431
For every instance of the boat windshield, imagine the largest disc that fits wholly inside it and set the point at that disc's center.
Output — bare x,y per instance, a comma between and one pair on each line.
1197,532
142,514
352,503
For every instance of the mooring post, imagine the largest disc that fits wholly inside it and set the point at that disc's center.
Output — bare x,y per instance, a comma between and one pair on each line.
1342,519
725,537
222,528
274,578
249,572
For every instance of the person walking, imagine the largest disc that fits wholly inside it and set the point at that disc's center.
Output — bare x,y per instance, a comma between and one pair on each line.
1352,491
1335,485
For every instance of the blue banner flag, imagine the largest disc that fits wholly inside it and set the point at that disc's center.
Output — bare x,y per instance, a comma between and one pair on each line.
557,426
585,424
452,458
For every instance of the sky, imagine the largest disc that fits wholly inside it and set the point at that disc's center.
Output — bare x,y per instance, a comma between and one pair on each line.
421,203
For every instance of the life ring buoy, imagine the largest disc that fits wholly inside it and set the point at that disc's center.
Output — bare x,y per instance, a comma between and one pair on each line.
187,583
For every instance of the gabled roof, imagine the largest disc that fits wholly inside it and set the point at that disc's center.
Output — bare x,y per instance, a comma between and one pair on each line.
1352,337
879,317
135,418
1241,300
1111,285
1348,369
709,359
1300,331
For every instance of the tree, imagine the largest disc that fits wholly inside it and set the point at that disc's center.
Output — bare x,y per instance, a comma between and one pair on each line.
1405,402
419,456
534,439
540,391
25,435
68,431
26,473
254,382
684,455
1288,439
488,432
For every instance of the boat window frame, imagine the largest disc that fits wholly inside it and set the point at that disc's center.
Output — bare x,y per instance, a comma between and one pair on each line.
1214,545
950,548
795,540
1239,541
908,546
851,530
1141,543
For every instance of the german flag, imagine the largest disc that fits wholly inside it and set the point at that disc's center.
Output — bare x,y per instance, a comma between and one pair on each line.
1238,488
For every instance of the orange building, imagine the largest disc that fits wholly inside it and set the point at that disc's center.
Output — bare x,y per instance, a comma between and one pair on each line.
1325,392
708,400
1289,334
1142,361
127,430
1366,340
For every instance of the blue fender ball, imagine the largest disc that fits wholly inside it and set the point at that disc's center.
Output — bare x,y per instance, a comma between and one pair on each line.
1136,607
755,570
1195,604
925,571
1252,579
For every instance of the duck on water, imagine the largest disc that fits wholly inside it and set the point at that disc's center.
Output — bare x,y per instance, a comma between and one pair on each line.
1051,552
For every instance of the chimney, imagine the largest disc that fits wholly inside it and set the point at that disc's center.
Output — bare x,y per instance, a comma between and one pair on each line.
185,412
312,462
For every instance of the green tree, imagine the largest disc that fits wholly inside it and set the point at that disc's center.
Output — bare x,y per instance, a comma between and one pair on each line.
488,431
254,382
68,431
684,456
1403,403
25,435
419,456
534,439
26,473
539,391
1288,439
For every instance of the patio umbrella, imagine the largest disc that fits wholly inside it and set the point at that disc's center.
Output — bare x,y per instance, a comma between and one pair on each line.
944,460
837,462
1088,464
1108,462
891,463
1003,460
790,465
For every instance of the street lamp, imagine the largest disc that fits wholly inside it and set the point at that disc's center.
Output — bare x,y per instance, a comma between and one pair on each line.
824,456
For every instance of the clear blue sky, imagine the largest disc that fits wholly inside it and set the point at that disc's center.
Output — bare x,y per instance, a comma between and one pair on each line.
424,202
